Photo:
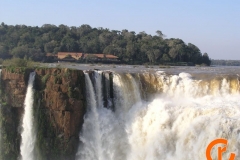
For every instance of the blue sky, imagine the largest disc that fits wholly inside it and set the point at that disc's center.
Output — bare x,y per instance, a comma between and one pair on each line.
212,25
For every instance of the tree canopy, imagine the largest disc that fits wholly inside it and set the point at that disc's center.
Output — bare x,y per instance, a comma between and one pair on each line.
34,42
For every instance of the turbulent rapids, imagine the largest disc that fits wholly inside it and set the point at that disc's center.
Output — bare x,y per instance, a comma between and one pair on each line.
156,116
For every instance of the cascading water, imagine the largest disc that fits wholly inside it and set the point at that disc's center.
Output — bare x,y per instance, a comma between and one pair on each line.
180,118
28,134
101,129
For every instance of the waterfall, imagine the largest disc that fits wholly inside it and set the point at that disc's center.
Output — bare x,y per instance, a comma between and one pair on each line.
177,119
101,129
98,87
126,92
28,133
91,126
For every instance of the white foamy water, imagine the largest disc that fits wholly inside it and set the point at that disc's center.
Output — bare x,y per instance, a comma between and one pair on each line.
28,134
177,124
181,129
100,129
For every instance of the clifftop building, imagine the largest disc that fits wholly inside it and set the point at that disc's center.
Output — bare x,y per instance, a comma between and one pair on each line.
76,56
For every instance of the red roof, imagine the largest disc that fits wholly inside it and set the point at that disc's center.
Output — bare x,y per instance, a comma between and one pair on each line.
75,55
109,56
78,55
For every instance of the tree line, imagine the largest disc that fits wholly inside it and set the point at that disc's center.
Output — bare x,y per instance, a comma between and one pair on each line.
34,42
225,62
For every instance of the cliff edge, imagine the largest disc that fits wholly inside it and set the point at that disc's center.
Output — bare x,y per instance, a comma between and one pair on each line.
59,107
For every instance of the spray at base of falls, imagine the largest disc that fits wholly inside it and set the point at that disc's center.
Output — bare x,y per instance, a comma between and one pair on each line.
182,129
28,135
177,123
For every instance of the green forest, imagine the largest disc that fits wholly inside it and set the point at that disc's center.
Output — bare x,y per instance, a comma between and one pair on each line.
33,42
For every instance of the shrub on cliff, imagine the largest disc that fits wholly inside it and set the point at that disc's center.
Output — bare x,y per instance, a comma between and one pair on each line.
1,60
18,62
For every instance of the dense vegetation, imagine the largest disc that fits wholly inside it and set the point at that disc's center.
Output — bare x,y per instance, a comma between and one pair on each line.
34,42
226,62
17,62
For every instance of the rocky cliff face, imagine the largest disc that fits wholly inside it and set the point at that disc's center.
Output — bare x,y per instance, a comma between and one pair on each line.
13,90
59,106
14,85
